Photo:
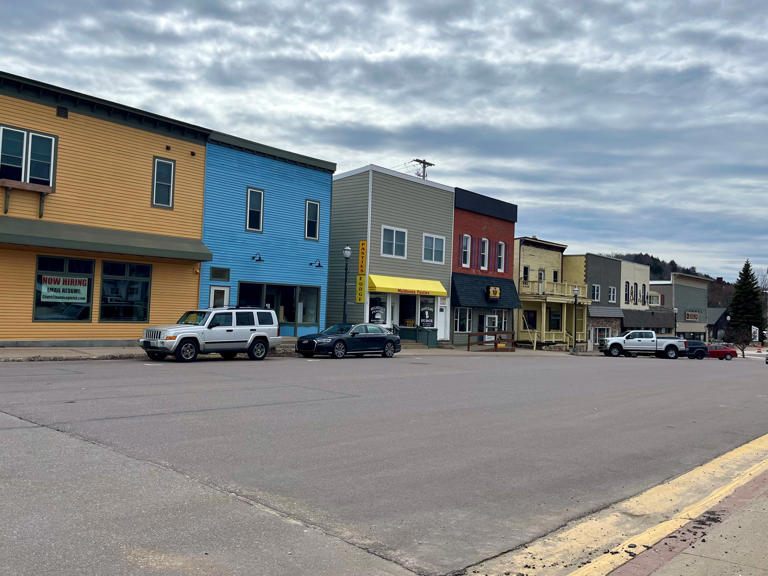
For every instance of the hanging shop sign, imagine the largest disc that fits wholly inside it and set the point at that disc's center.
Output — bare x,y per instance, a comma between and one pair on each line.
492,292
63,289
360,289
363,257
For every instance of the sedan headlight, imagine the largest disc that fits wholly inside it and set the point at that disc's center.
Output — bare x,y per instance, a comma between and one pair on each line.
324,340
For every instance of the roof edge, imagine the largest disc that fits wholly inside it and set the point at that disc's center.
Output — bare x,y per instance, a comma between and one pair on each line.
387,171
271,152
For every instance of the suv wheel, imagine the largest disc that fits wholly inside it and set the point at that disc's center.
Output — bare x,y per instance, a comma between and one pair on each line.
187,351
258,349
699,354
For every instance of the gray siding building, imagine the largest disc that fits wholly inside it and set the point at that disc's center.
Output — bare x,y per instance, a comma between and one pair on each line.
402,274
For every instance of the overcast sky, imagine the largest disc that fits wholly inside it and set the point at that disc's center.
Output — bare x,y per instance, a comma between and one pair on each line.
614,126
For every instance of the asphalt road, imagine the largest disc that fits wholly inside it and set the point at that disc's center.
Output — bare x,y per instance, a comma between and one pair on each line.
361,466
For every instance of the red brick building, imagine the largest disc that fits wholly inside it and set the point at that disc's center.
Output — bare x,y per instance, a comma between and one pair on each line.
483,291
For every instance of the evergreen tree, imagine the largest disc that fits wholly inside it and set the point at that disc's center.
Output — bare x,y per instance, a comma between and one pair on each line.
746,309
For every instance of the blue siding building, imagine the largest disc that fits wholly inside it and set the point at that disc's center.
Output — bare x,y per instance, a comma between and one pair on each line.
267,221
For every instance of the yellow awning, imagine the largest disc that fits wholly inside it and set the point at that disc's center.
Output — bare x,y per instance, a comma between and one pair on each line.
400,285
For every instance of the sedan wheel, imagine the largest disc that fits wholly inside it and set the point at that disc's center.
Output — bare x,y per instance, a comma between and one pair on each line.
339,349
389,350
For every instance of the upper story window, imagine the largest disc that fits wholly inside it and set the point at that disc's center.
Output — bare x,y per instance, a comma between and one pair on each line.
634,294
26,156
526,273
466,250
612,294
312,224
484,254
162,183
500,248
393,242
626,292
255,210
596,292
643,294
434,249
555,275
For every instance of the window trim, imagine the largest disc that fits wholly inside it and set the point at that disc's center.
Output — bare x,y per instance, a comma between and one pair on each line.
306,219
457,319
501,248
64,273
526,273
434,237
484,247
26,152
556,276
394,242
155,204
466,239
25,133
127,277
29,158
248,191
612,294
596,289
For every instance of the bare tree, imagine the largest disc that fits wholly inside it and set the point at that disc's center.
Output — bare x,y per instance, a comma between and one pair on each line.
740,336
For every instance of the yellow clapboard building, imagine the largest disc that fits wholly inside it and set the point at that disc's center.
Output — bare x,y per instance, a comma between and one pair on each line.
101,219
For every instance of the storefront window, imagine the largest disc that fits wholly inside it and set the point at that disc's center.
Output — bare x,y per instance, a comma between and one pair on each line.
308,311
282,299
125,292
599,333
427,312
554,320
63,289
462,320
377,309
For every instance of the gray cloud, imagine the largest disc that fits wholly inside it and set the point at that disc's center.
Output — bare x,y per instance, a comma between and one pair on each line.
606,121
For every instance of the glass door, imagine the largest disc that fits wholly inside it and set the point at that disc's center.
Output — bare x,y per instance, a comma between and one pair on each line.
491,325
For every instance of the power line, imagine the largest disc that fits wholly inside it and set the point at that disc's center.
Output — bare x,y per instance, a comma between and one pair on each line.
424,165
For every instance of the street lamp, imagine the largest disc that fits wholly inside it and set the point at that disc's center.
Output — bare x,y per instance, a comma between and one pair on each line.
675,311
575,302
347,251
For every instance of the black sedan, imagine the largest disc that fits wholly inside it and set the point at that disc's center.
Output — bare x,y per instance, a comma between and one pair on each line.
342,339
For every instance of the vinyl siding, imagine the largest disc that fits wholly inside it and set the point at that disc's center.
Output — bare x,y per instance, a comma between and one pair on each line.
349,225
173,290
103,173
420,209
285,252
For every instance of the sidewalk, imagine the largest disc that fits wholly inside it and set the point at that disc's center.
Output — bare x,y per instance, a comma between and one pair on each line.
731,539
55,353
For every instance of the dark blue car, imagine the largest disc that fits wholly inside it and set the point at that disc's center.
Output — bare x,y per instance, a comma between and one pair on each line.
340,340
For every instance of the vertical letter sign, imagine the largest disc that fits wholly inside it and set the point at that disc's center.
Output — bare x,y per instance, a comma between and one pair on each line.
363,257
360,291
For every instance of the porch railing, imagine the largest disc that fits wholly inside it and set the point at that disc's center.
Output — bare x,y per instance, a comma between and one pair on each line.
504,341
549,288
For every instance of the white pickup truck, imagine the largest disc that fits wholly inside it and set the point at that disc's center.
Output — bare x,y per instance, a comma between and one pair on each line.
642,342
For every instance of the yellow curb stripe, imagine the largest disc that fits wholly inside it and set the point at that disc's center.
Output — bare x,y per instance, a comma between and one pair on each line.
650,516
609,562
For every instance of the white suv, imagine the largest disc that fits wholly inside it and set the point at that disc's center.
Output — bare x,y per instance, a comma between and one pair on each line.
226,331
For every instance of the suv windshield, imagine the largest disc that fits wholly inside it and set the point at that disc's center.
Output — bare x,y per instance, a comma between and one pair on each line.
337,329
195,318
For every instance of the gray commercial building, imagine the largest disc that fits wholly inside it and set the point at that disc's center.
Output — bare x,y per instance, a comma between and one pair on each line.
400,232
687,295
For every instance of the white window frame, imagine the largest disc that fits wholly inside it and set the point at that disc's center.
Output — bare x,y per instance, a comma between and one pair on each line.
466,251
501,249
484,246
248,209
53,156
394,242
596,292
23,146
423,243
612,294
154,183
306,219
456,318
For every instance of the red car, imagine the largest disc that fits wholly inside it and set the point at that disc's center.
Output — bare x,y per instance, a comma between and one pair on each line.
721,351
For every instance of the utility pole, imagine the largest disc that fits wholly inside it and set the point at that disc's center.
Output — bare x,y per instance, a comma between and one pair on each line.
424,165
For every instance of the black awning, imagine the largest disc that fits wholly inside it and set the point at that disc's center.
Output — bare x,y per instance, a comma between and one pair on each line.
470,291
49,234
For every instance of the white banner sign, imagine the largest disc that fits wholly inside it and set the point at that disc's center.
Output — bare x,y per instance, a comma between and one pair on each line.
64,289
